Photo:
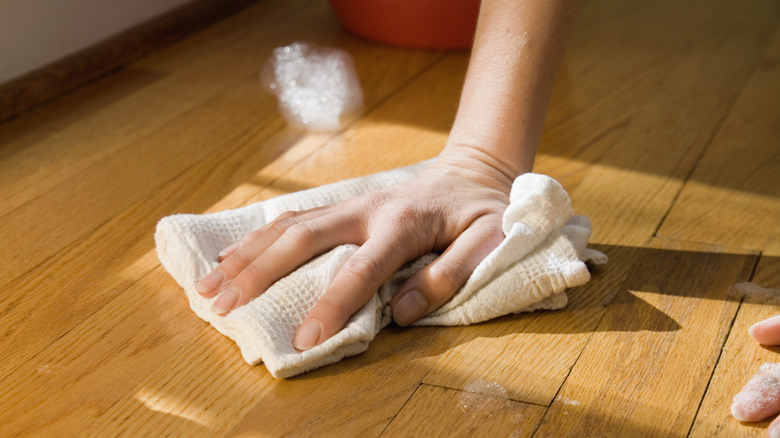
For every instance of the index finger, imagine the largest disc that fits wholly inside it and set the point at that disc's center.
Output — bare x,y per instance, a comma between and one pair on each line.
766,332
357,280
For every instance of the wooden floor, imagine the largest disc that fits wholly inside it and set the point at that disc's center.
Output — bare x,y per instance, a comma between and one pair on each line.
664,128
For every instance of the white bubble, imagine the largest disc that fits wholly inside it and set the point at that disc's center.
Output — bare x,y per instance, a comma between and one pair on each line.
760,397
754,293
315,86
483,397
568,401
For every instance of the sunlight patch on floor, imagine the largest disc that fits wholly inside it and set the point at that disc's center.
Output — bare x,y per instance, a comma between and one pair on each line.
170,405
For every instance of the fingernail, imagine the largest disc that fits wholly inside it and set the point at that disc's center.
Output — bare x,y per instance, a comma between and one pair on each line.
307,336
753,328
226,301
209,282
736,412
230,249
774,430
410,308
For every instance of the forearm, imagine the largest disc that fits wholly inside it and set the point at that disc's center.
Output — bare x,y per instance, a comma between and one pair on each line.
514,62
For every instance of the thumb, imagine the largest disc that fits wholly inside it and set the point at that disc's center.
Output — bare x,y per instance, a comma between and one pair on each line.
760,398
432,286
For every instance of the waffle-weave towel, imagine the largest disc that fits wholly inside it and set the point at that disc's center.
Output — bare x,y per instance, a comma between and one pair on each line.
541,255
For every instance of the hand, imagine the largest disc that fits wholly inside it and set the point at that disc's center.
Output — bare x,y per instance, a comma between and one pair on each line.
455,206
760,398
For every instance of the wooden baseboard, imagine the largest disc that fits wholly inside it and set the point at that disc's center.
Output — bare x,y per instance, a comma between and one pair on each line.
89,64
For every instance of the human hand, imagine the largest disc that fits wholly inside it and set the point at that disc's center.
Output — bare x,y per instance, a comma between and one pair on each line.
455,206
760,397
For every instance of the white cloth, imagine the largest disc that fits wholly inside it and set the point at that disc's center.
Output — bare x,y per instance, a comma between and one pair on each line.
538,259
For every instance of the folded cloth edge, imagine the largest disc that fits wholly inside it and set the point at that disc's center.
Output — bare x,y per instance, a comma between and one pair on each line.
173,241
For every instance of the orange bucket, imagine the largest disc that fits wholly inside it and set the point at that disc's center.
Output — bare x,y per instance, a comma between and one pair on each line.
427,24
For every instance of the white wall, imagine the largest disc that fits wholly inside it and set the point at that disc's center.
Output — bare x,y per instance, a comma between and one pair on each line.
34,33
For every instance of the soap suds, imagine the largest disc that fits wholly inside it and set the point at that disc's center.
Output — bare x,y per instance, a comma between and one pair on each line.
567,401
760,398
755,294
483,397
315,86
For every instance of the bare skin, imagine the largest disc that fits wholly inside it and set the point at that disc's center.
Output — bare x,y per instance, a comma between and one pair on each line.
455,207
766,332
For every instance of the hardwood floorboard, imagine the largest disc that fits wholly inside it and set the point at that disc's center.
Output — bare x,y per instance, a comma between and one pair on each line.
654,99
106,56
643,183
646,367
119,199
732,197
531,355
741,357
436,411
57,143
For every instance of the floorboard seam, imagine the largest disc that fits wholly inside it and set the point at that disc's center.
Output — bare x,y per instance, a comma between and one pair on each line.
133,143
74,243
86,317
716,130
417,388
720,352
362,117
379,103
605,304
97,227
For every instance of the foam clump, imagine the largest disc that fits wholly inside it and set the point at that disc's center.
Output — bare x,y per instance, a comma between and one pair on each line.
760,398
315,86
755,293
483,397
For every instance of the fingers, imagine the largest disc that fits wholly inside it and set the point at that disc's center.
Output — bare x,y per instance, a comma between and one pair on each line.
759,399
435,284
281,223
767,332
251,244
270,253
360,278
774,428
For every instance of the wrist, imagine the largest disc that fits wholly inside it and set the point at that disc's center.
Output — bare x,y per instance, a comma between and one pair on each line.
476,165
507,146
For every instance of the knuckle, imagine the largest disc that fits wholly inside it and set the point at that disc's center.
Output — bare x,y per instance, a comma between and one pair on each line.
234,264
280,225
361,268
333,312
287,215
494,233
249,279
404,217
255,234
374,200
303,233
447,277
405,212
368,204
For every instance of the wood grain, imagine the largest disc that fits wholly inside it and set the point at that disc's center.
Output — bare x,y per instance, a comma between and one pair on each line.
98,361
740,359
645,369
126,108
645,114
356,397
732,197
642,177
80,68
435,411
116,201
531,355
97,340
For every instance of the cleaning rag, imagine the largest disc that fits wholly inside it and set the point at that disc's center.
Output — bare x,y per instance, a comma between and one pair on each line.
542,254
